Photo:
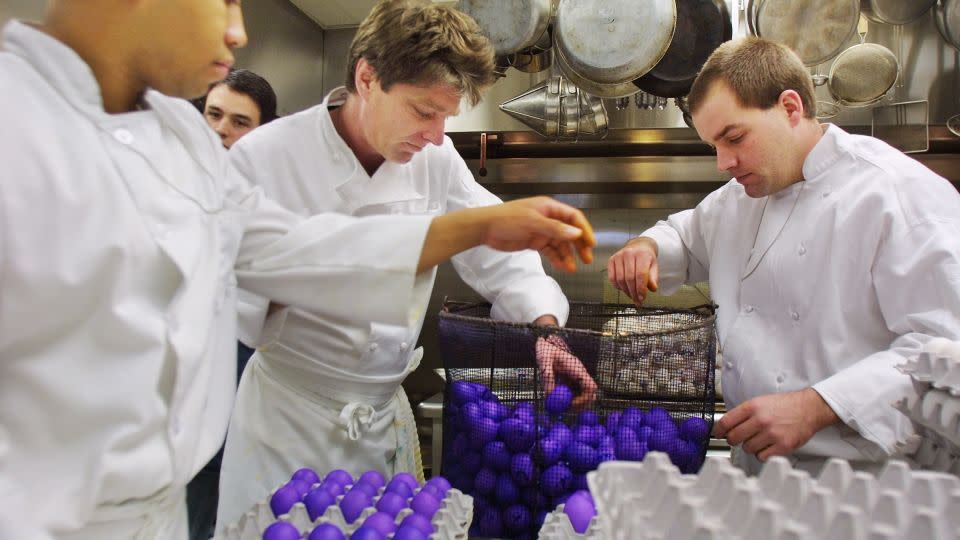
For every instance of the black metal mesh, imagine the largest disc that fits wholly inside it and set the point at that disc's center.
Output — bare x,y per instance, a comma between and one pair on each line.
504,442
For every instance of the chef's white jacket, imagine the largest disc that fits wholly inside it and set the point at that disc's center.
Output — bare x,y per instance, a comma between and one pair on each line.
850,272
122,241
312,373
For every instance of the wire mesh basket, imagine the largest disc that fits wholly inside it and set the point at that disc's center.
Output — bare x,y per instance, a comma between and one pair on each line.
628,380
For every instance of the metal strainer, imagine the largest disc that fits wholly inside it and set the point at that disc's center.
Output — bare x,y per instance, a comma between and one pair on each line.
815,29
863,74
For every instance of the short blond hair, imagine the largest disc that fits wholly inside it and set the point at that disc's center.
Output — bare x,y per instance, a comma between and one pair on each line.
757,70
422,43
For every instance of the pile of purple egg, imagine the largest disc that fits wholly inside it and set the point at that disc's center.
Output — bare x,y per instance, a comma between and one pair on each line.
580,508
353,497
518,463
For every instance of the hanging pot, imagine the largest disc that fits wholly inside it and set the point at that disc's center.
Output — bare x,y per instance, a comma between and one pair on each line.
511,26
895,11
947,17
594,88
817,30
702,25
533,59
612,42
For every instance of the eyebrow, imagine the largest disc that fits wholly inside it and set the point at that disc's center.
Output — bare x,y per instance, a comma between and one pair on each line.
725,130
214,108
434,107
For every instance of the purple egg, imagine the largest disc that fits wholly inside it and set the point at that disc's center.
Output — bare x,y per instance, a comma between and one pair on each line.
584,493
607,454
366,488
471,415
490,523
353,503
607,441
317,502
485,481
302,486
587,418
283,500
506,491
496,456
625,435
541,517
471,462
562,434
695,429
409,533
382,522
632,418
613,419
657,415
367,533
661,440
407,479
558,402
524,411
643,434
516,518
521,469
517,434
374,478
399,487
631,450
281,530
582,457
580,511
495,410
339,476
587,435
434,490
556,480
326,531
684,454
426,504
485,432
391,503
306,474
441,483
462,392
419,522
549,450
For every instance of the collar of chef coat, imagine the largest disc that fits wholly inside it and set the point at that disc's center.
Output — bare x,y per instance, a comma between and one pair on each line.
392,182
825,154
73,79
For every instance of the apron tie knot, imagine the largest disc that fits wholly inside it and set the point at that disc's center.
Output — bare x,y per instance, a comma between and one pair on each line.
357,417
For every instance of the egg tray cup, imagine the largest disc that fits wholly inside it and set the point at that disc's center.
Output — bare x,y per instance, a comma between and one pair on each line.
451,521
651,500
934,369
557,526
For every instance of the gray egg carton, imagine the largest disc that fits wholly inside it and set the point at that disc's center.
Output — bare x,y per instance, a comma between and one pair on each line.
557,526
937,366
937,414
451,521
651,500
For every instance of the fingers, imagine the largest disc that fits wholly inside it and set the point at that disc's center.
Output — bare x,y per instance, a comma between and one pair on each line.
630,279
588,392
731,419
758,442
654,282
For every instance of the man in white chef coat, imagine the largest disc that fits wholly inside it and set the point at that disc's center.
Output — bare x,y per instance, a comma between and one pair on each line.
326,392
833,258
124,233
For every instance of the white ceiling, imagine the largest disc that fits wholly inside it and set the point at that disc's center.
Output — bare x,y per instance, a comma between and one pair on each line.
339,13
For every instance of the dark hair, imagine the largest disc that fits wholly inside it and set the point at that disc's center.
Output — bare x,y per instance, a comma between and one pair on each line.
758,71
419,42
249,83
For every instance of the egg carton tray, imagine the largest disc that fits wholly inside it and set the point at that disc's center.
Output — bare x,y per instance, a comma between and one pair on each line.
935,410
451,521
651,500
557,526
937,366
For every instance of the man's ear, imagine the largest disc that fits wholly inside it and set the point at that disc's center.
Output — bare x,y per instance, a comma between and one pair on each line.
364,77
792,104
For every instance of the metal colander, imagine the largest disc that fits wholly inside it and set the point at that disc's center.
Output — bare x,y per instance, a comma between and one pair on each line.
863,74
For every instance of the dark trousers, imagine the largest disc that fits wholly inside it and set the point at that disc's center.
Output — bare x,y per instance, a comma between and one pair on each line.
203,490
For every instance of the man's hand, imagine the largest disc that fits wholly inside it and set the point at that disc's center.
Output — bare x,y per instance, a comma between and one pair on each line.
541,223
634,269
554,358
776,424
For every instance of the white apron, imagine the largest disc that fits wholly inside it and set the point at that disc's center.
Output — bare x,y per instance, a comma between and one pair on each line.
266,444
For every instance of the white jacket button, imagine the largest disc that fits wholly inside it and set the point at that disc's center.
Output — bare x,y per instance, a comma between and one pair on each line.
404,345
795,316
780,378
123,136
373,346
748,309
802,250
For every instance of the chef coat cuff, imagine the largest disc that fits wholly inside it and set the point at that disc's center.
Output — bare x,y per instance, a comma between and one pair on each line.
527,299
863,397
671,258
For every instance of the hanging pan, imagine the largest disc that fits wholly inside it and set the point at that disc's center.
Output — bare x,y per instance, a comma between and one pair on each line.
603,45
863,74
511,26
817,30
895,12
702,25
947,17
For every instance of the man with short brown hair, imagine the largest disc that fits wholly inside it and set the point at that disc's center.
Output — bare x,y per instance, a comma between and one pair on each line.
833,258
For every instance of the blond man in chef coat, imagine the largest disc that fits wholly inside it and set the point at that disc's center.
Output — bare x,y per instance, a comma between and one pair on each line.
124,234
375,146
833,258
